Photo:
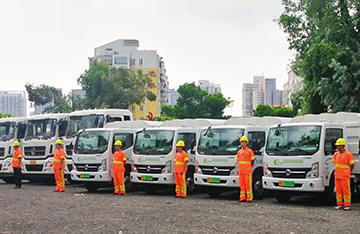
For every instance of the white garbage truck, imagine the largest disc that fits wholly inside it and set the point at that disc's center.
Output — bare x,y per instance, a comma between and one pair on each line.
215,159
38,146
154,152
11,129
94,150
298,155
92,118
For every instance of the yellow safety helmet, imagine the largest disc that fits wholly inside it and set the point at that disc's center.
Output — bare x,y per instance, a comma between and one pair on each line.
16,143
340,141
59,142
118,143
180,143
244,138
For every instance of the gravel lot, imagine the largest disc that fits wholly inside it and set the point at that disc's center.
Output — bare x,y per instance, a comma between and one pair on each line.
37,209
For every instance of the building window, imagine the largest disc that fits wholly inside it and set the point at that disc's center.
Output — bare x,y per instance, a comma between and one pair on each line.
133,108
140,62
121,60
141,108
133,61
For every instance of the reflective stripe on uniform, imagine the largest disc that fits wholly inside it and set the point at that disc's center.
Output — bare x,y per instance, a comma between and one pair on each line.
118,162
178,163
57,160
244,162
341,166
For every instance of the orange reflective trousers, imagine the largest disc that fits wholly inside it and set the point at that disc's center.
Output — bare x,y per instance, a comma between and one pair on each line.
343,194
119,181
245,181
60,180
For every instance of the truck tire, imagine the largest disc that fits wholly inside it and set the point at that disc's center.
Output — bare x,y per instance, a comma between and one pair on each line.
127,182
91,187
282,197
330,192
258,190
214,192
190,184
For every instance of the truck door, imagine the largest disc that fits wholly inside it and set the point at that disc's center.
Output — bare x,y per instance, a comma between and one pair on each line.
331,135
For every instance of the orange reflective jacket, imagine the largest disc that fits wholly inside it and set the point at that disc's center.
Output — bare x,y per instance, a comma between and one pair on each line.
119,161
244,157
58,156
180,159
16,158
342,164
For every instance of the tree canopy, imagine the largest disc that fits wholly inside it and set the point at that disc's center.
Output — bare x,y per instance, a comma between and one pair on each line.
114,87
5,115
325,36
266,110
196,103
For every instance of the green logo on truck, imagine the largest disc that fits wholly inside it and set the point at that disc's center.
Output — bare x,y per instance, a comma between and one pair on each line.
281,162
80,159
212,160
142,160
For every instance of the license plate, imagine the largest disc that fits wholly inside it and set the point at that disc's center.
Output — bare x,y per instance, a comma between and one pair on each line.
213,180
84,175
32,162
146,178
286,183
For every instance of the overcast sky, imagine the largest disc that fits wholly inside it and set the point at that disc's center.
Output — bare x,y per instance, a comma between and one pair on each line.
226,42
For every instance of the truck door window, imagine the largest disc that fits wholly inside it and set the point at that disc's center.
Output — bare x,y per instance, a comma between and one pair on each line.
331,135
127,140
189,139
256,141
62,128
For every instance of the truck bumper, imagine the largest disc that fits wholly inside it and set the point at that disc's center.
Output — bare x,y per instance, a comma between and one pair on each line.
103,176
155,178
300,185
225,181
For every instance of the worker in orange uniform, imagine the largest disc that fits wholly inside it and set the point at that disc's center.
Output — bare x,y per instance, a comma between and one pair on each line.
119,160
17,164
181,160
245,157
59,166
344,164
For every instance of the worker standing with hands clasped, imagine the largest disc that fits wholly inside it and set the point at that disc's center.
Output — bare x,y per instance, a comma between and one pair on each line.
59,166
181,160
344,164
245,157
119,160
16,164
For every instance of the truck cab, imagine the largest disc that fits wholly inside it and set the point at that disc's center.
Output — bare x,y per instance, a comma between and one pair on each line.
154,152
298,155
11,130
216,165
94,150
38,145
92,118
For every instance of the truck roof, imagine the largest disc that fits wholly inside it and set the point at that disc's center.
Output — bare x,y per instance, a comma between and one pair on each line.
257,121
101,111
12,119
237,127
49,116
194,123
134,124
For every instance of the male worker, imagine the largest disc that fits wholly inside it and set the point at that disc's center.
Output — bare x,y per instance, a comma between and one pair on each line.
119,160
245,157
181,160
59,166
16,164
344,163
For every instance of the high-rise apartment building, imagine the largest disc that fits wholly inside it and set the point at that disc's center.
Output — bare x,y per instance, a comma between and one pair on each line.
125,53
173,96
209,87
13,102
294,84
272,96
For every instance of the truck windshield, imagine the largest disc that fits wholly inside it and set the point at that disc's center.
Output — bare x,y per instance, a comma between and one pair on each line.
92,142
77,123
154,142
7,131
293,140
219,141
43,128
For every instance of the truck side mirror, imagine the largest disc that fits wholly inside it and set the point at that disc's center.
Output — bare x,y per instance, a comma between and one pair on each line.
192,151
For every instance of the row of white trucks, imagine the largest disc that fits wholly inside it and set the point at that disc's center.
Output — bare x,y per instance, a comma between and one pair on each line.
292,155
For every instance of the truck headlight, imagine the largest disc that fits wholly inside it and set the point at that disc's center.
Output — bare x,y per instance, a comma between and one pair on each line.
133,167
167,168
197,168
49,163
102,166
314,172
8,163
267,172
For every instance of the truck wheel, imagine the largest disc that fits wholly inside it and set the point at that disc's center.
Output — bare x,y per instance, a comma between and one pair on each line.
330,192
9,180
149,188
258,190
214,192
191,187
127,182
282,197
92,187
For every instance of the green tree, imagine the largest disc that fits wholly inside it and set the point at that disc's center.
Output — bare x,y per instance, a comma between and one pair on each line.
196,103
114,87
266,110
44,94
5,115
325,36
